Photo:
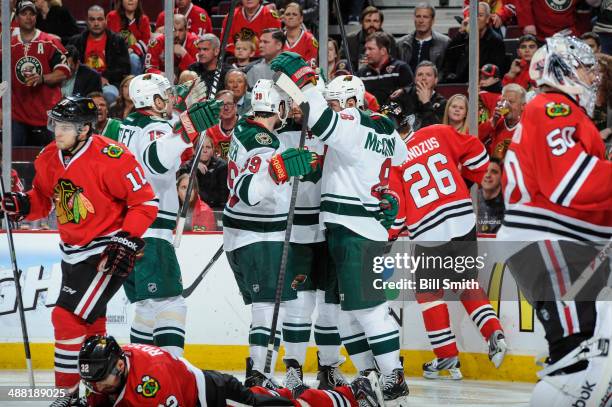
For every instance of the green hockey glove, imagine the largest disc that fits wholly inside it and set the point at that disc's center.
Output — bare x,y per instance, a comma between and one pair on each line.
198,118
292,162
294,66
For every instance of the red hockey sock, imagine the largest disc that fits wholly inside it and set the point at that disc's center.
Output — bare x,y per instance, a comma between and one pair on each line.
437,325
340,396
477,305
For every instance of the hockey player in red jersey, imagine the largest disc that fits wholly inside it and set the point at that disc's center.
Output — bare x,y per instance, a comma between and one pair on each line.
145,375
103,205
438,208
558,194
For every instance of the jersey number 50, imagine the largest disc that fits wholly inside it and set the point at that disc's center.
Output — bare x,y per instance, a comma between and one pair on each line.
422,191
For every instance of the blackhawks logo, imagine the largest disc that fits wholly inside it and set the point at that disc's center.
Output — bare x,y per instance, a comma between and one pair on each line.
148,387
71,205
113,151
27,66
559,5
557,110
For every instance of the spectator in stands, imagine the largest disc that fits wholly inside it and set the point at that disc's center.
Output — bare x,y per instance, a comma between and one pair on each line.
53,18
491,49
211,176
200,218
129,20
39,68
123,106
424,44
102,107
371,21
310,11
602,116
490,200
334,63
502,11
83,80
221,133
456,113
298,39
244,50
251,18
603,26
208,47
421,98
271,44
490,89
198,20
519,69
186,76
543,18
104,51
383,74
497,132
185,49
236,81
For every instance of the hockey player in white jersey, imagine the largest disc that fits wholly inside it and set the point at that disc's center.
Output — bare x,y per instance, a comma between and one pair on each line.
155,286
255,216
357,209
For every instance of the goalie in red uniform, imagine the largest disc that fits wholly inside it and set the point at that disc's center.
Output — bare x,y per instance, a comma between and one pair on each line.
103,205
145,375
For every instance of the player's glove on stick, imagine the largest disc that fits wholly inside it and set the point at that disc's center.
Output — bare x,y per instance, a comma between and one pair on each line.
16,204
199,117
389,207
189,93
292,162
294,66
119,256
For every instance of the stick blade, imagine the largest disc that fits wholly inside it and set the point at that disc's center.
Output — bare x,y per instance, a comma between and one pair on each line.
286,84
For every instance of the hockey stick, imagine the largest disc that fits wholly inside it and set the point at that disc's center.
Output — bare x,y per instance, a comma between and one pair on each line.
285,83
24,327
343,34
587,273
180,224
187,291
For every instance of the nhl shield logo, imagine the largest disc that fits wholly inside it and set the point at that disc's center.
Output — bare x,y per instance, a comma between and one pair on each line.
255,288
152,287
27,66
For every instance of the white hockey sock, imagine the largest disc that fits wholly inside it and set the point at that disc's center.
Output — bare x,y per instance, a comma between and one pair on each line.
297,323
141,330
355,342
326,332
259,335
169,331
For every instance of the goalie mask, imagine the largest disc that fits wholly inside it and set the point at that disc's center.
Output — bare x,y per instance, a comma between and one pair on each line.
568,65
268,98
344,87
144,89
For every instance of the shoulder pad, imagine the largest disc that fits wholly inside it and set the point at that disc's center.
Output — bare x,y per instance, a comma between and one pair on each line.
381,124
252,137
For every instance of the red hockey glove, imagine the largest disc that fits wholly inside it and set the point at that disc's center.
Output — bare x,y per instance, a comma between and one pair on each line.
119,256
389,206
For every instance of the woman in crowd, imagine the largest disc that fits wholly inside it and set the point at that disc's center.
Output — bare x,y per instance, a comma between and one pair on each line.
123,106
456,113
132,23
200,218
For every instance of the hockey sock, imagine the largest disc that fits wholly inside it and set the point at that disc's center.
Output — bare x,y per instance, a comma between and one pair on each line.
355,342
259,335
326,332
169,331
141,330
382,334
339,397
296,325
477,305
437,325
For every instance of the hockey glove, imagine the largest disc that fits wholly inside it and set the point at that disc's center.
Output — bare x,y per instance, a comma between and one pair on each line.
294,66
198,118
16,204
119,256
389,207
292,162
189,93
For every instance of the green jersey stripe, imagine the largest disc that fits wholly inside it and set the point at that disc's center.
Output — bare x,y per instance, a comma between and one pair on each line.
323,122
278,216
306,220
331,131
349,198
166,213
346,209
161,223
254,226
152,159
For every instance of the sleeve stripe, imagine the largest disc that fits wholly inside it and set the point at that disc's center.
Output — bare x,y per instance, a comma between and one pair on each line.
331,131
477,161
573,180
151,160
243,189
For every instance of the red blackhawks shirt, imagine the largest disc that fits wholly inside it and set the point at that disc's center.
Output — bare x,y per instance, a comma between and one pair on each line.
198,21
496,137
154,60
436,203
556,181
220,139
136,34
307,46
263,18
42,55
100,191
548,16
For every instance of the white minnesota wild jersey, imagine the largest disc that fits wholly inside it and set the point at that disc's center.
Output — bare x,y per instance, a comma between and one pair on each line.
306,227
362,147
257,208
158,150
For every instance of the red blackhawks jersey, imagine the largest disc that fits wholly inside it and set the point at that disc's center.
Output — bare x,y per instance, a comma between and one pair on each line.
436,203
99,192
548,16
556,181
136,34
496,138
154,60
307,46
42,55
220,139
198,21
263,18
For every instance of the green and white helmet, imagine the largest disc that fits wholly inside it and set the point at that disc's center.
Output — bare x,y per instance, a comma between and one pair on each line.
266,97
143,89
344,87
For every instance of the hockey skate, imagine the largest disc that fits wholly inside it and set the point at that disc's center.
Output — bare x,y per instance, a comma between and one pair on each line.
256,378
394,389
367,391
497,348
69,400
431,370
294,378
330,376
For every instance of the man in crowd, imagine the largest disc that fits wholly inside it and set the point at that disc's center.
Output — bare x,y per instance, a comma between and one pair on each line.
271,44
221,133
519,69
371,21
252,17
424,44
208,47
236,81
198,21
185,49
83,80
490,199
